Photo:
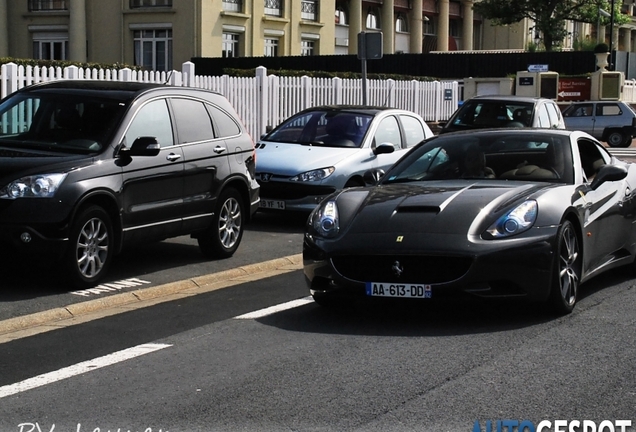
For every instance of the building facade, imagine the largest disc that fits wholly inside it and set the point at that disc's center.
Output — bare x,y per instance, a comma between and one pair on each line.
158,34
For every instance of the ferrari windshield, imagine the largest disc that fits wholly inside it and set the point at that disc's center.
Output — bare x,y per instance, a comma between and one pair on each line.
520,156
324,128
57,122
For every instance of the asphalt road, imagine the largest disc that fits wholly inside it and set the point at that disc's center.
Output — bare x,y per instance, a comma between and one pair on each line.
189,359
375,367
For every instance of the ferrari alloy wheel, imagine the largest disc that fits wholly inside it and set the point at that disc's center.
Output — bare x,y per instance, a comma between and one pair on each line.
90,250
567,269
224,236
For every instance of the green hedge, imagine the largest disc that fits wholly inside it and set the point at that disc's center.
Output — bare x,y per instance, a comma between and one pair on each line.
322,74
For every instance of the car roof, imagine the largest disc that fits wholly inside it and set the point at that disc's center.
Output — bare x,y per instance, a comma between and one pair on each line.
509,131
364,109
512,98
118,90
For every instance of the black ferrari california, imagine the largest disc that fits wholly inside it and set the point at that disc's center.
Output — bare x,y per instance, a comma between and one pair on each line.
494,213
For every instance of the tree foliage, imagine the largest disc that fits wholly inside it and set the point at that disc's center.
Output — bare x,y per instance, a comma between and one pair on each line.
549,16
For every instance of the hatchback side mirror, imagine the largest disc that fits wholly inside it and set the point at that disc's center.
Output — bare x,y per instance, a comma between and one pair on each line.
384,148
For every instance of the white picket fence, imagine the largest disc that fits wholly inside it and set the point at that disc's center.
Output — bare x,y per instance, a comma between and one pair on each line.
264,100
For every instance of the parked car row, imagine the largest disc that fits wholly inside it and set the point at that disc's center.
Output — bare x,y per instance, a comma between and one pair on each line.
505,202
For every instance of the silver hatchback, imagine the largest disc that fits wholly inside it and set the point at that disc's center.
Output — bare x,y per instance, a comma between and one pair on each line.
324,149
611,121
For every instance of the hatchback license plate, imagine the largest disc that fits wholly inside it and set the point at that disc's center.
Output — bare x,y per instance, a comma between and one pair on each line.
272,204
384,289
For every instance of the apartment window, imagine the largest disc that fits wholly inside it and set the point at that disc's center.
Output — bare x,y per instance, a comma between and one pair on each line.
230,45
453,28
307,47
153,49
150,3
341,16
427,26
271,47
274,7
233,5
50,46
400,24
309,10
47,5
372,20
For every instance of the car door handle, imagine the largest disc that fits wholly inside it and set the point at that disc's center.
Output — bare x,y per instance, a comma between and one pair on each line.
219,149
173,157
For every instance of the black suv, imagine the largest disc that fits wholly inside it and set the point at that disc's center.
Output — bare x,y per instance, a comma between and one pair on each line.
89,167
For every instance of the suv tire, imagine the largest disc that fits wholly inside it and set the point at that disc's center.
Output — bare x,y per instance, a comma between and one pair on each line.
224,235
90,250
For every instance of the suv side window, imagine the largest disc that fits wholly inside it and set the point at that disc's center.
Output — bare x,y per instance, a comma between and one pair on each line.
152,120
224,125
413,131
555,115
388,131
542,117
193,121
608,109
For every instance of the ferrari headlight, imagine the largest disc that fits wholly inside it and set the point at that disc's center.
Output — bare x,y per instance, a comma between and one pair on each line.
516,221
325,221
314,175
38,186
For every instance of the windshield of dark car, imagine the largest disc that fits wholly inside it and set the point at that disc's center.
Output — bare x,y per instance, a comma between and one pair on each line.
491,114
323,128
58,122
527,156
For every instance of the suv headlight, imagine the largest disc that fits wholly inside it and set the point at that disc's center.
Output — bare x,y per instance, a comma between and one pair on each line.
37,186
516,221
314,175
324,220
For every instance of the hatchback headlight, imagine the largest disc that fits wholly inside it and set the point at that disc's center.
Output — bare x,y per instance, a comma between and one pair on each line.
325,221
516,221
38,186
314,175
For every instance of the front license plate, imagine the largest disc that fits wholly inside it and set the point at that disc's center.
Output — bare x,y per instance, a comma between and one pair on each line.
272,204
383,289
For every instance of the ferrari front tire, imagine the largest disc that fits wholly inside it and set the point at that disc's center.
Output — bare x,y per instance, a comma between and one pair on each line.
566,270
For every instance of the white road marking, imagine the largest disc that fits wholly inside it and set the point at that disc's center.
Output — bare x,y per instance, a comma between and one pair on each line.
274,309
79,368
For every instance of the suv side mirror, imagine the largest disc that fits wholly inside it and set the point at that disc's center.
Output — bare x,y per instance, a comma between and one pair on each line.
143,146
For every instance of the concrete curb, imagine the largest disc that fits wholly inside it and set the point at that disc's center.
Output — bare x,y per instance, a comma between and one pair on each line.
76,313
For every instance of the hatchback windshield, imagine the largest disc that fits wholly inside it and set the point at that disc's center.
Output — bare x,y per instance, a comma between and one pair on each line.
324,128
529,156
60,122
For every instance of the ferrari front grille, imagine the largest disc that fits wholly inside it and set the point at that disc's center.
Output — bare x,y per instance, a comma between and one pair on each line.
402,268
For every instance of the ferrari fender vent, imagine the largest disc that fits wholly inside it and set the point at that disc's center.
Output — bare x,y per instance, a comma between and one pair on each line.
412,268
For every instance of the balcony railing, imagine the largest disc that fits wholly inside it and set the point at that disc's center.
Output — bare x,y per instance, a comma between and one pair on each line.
309,10
274,7
233,5
150,3
47,5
